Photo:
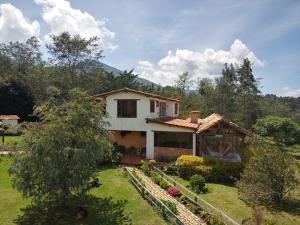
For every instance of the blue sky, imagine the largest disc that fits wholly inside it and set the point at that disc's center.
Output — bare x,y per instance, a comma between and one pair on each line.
163,38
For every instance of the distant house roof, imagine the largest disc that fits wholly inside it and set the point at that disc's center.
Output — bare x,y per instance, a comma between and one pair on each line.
136,92
202,125
9,117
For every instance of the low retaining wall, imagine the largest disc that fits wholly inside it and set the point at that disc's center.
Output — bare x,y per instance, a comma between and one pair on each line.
171,152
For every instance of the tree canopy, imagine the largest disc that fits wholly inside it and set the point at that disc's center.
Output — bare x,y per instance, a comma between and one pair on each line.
61,154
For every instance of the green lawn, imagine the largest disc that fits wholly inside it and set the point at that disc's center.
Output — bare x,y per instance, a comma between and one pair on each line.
10,139
226,199
115,185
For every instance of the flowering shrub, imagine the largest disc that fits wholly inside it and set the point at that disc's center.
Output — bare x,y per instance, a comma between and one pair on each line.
173,191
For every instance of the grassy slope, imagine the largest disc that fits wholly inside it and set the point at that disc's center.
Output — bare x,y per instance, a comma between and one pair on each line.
114,184
10,199
226,199
9,139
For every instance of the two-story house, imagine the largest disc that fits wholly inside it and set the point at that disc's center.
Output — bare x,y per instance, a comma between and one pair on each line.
149,126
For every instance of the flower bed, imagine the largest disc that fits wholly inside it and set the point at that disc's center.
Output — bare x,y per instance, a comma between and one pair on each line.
176,193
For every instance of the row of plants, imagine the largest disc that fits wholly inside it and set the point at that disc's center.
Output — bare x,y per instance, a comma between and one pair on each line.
197,182
211,169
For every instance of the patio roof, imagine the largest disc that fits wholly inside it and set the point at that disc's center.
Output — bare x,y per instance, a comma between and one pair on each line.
202,125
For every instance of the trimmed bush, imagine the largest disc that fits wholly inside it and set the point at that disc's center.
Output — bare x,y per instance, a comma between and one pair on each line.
164,185
189,165
197,183
223,170
173,191
156,178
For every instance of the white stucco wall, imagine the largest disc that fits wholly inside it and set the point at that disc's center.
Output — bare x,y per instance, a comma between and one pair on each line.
143,112
139,123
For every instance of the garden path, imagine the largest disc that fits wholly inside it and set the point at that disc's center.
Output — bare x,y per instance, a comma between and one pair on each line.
184,214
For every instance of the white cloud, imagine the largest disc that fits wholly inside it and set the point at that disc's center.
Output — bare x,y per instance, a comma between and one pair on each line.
14,26
287,91
60,16
208,63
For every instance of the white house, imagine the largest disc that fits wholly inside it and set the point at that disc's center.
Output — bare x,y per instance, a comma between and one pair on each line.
9,119
149,126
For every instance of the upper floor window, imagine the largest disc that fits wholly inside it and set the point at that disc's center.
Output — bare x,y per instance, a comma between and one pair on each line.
152,106
176,108
162,108
127,108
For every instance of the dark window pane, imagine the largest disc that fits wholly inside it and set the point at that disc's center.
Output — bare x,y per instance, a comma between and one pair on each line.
152,106
162,108
173,140
176,108
126,108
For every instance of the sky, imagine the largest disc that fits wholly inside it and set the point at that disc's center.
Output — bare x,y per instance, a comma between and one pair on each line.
161,39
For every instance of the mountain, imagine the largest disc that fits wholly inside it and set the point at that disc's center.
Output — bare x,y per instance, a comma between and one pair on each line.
116,72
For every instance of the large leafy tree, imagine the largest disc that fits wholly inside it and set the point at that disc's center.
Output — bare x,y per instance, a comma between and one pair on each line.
74,61
18,59
269,177
60,155
281,129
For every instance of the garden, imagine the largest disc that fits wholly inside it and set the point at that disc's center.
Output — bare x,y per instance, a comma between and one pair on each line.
218,182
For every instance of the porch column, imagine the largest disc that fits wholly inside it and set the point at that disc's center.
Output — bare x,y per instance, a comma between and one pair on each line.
150,145
194,144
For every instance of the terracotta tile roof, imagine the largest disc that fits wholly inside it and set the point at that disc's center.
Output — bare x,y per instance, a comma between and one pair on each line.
9,117
203,124
174,121
137,92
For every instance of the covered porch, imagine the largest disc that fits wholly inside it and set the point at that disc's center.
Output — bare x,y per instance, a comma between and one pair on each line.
169,145
224,140
131,144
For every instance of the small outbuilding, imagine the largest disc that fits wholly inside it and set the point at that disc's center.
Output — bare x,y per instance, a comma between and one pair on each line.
9,119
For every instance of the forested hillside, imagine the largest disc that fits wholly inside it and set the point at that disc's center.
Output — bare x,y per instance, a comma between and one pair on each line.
27,79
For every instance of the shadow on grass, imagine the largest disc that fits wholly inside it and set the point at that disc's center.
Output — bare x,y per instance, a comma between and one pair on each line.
102,211
291,206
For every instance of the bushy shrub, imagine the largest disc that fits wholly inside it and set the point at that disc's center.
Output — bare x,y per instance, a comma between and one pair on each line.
156,178
164,185
223,170
189,165
248,154
203,214
268,178
197,183
173,191
171,206
212,169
